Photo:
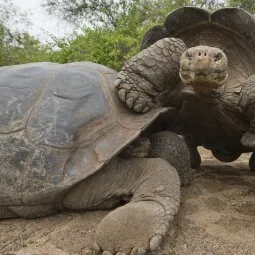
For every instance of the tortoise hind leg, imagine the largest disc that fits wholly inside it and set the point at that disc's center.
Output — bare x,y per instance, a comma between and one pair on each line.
247,106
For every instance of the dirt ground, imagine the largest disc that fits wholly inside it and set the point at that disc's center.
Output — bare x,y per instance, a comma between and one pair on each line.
217,216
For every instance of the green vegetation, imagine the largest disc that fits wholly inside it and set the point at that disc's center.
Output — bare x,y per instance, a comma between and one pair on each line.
17,47
110,30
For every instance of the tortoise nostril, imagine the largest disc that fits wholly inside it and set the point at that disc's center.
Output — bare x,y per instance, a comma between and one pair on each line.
202,54
189,55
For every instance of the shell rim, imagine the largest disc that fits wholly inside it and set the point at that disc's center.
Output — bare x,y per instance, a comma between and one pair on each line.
210,20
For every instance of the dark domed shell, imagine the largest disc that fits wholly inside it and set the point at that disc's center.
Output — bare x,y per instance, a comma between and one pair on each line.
58,125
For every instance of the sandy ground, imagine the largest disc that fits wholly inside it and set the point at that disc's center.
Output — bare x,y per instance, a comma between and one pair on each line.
217,216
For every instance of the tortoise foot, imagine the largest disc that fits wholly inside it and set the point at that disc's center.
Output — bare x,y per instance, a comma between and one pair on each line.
136,100
136,228
248,140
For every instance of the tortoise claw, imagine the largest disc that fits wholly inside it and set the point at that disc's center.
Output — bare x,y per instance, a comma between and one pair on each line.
146,109
138,251
122,95
155,242
138,107
135,99
117,83
96,247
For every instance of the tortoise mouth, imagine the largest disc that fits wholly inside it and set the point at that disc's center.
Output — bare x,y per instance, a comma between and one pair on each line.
209,78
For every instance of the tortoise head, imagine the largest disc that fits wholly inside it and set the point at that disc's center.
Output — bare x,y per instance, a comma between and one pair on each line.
204,68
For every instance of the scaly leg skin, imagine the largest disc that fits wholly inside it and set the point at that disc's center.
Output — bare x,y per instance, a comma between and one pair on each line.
247,106
151,72
140,225
172,148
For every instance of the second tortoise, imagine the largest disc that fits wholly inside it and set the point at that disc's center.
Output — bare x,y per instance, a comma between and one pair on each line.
214,84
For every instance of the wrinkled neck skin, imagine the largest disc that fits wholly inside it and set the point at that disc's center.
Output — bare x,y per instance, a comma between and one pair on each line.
203,71
190,91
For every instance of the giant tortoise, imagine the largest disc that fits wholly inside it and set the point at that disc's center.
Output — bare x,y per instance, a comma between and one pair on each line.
215,92
68,143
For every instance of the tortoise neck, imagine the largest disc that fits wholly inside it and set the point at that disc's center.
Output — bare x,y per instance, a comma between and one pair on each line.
189,92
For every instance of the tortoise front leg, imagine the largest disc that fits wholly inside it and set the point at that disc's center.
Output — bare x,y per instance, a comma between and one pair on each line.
151,72
139,226
169,146
153,187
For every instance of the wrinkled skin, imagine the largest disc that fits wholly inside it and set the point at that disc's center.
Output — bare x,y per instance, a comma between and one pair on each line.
146,176
209,115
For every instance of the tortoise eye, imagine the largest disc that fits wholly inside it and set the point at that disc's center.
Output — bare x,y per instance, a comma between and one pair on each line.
217,56
188,55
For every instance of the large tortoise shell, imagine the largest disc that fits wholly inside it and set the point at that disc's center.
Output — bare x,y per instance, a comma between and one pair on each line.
58,125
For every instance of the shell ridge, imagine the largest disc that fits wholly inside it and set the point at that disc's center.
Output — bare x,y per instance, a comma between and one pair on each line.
47,82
